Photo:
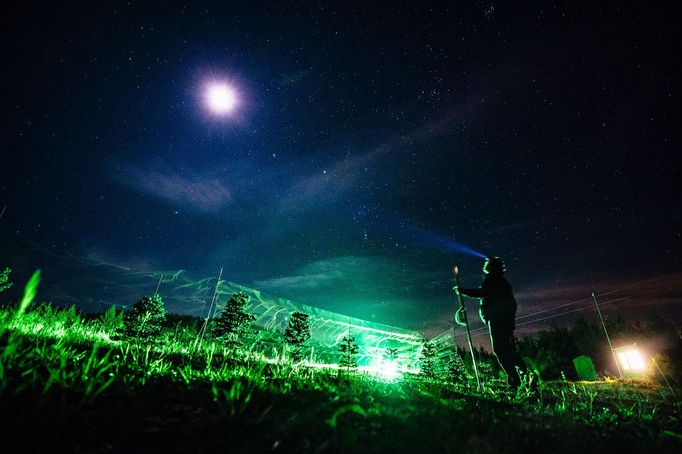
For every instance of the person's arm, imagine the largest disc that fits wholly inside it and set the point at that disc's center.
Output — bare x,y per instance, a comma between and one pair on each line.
472,292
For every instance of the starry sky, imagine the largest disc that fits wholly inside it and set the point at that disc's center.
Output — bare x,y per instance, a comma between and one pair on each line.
371,149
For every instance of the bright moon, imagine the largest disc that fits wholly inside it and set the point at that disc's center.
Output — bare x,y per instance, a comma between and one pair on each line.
220,98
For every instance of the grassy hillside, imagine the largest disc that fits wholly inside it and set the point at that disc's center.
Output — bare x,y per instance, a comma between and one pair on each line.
73,384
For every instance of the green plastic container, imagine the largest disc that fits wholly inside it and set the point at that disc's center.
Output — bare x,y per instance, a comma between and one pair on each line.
585,368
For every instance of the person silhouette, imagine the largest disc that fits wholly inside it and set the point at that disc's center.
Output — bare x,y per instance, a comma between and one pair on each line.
498,312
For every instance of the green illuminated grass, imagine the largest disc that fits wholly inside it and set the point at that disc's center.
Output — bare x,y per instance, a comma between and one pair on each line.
75,383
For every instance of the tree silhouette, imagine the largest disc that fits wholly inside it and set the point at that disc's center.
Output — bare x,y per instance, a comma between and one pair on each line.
428,359
144,320
297,335
234,322
391,354
349,349
456,370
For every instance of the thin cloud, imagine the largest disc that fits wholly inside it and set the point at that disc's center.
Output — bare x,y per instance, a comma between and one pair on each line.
199,192
302,281
329,185
373,275
294,77
322,273
351,173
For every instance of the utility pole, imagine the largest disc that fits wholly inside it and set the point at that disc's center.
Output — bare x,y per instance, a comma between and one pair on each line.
594,297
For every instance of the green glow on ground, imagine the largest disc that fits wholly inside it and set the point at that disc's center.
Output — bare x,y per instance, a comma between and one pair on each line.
389,370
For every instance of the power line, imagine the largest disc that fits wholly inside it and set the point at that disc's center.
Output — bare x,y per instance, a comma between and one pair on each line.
483,329
583,300
572,311
590,298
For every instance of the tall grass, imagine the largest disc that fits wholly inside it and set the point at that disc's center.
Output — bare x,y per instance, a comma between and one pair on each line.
48,350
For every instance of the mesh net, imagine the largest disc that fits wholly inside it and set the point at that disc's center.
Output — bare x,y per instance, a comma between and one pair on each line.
375,341
95,285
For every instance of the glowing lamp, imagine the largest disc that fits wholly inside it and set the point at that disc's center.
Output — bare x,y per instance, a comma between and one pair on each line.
630,359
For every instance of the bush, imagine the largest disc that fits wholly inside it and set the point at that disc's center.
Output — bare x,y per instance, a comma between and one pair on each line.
552,352
4,279
111,322
146,317
662,368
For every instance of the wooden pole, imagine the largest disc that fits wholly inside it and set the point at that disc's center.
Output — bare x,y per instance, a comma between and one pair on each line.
466,324
594,297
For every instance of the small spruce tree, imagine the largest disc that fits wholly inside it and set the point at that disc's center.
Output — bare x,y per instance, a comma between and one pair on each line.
144,320
297,334
390,363
428,359
456,370
4,279
234,322
391,354
349,349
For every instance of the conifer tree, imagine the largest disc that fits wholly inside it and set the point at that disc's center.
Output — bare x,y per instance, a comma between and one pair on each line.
4,279
349,349
456,370
391,358
391,354
144,320
234,322
297,335
428,359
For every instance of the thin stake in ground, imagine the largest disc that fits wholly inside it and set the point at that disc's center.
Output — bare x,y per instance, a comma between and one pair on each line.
202,332
455,271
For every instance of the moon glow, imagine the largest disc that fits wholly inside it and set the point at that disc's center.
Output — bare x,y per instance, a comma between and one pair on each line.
220,98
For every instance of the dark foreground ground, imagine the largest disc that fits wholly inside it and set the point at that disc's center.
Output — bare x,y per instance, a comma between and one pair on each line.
399,417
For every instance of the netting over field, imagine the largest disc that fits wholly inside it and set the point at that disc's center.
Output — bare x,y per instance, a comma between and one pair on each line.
446,347
182,294
328,329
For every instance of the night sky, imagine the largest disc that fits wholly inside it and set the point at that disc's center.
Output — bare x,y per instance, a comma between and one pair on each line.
369,149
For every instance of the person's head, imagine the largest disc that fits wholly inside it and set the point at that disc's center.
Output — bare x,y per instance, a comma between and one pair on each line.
493,265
